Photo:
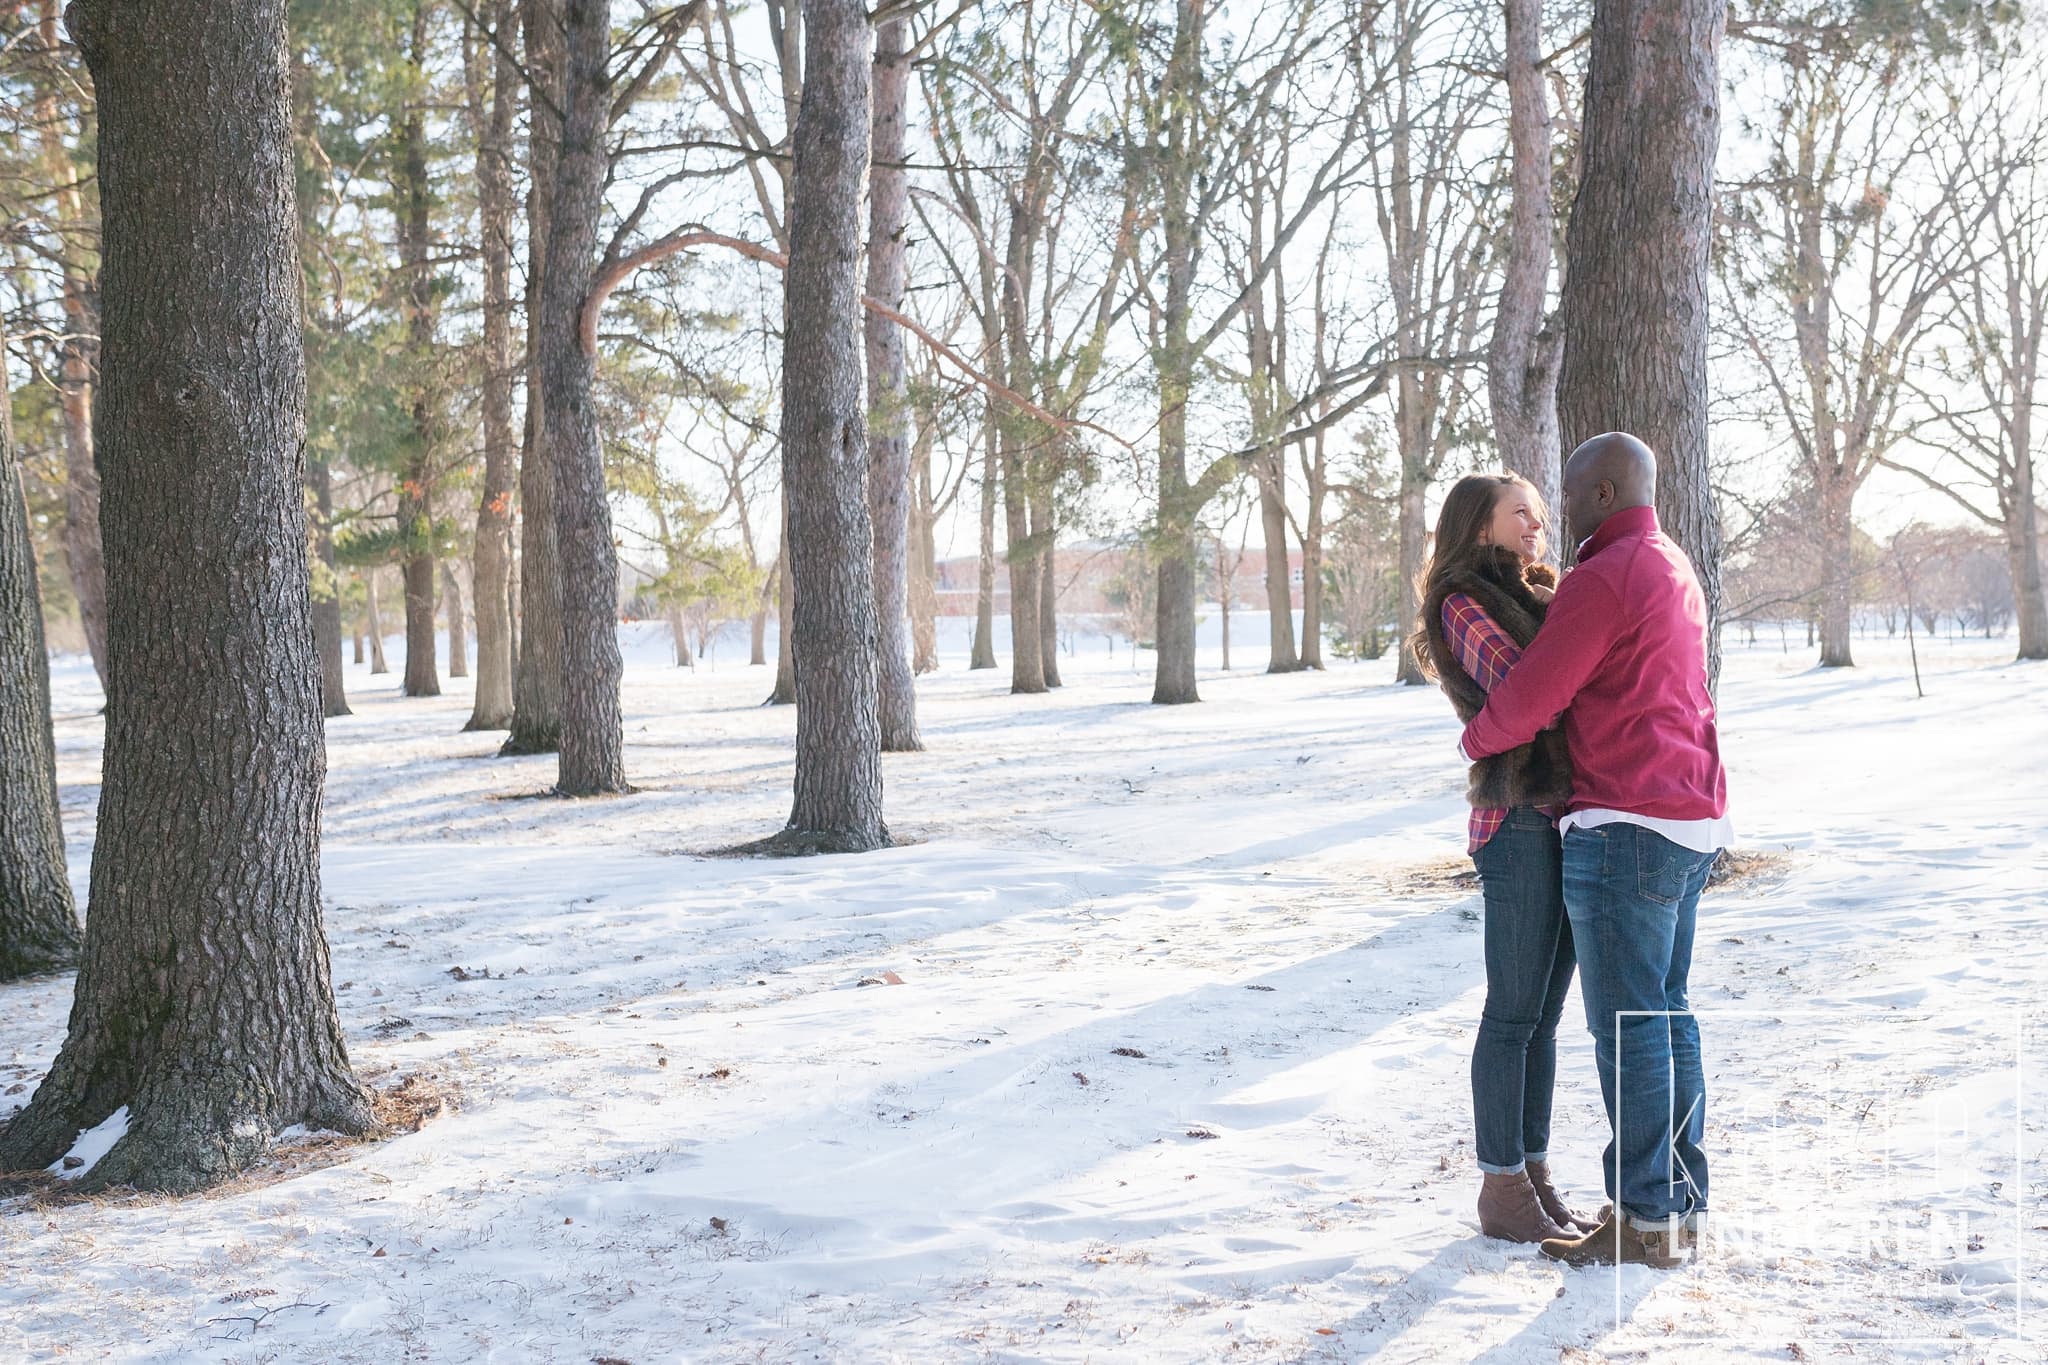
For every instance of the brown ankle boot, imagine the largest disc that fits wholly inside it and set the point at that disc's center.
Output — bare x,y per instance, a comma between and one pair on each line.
1618,1242
1508,1210
1561,1213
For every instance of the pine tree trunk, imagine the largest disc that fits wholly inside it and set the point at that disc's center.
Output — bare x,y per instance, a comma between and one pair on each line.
82,553
889,390
203,1003
924,601
830,545
1635,297
1521,372
592,751
416,486
326,608
377,663
1044,533
38,921
537,680
984,653
785,612
491,570
458,628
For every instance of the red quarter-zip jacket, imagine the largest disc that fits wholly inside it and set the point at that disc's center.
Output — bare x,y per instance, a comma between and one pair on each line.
1623,657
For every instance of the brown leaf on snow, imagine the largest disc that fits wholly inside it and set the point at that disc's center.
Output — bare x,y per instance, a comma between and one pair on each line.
1202,1133
1125,1052
375,1254
1083,1079
891,979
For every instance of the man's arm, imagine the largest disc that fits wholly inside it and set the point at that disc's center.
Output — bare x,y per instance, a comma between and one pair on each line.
1582,625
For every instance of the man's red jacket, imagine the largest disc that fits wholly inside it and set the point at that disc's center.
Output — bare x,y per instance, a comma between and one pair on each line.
1623,657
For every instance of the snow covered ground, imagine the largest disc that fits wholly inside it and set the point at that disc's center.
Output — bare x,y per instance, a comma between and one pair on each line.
1176,1068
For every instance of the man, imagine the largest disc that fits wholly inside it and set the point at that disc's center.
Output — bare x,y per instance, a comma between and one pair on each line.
1623,656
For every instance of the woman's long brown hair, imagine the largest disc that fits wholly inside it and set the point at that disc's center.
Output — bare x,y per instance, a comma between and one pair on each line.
1467,512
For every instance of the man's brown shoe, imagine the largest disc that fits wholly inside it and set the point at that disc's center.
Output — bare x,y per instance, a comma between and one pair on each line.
1561,1213
1508,1209
1618,1242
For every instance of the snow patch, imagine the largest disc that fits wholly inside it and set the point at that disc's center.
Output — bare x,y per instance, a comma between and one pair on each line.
92,1144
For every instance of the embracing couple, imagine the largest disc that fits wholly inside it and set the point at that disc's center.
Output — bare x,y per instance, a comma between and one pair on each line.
1598,805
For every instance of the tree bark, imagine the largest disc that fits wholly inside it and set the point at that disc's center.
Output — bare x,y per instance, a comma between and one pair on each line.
377,663
1312,556
889,390
537,682
592,745
458,628
83,556
984,652
38,920
830,545
1044,532
491,570
1521,371
1635,293
924,601
784,693
1838,588
326,609
203,1003
1414,537
416,484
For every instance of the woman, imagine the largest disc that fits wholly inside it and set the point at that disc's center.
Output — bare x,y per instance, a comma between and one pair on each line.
1484,594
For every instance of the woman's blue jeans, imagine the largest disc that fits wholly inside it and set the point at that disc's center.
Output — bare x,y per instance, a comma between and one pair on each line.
1529,962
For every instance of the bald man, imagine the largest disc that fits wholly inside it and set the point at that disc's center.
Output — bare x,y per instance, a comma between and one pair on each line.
1622,656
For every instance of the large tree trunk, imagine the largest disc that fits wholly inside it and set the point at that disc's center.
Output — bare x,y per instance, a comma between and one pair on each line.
1838,581
1044,531
537,682
82,554
1312,558
984,653
203,1004
889,391
785,607
1279,587
38,921
2023,539
830,546
377,663
924,600
326,606
592,748
757,639
1635,286
458,629
1521,372
416,485
491,570
1414,532
1174,361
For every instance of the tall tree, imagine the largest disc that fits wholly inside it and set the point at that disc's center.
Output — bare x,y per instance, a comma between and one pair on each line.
38,922
1521,367
74,227
592,740
493,101
1986,392
1634,301
203,1004
830,548
889,389
537,681
422,310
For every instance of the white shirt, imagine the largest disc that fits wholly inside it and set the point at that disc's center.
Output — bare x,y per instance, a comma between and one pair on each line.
1701,836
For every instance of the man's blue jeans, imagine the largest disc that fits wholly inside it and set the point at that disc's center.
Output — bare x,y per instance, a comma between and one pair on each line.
1632,896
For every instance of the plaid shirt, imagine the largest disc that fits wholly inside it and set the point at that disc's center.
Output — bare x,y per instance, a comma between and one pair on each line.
1486,653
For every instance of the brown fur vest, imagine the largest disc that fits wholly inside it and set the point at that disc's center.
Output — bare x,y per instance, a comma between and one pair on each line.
1538,773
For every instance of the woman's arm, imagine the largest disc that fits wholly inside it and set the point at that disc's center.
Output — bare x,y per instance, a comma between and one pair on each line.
1481,647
